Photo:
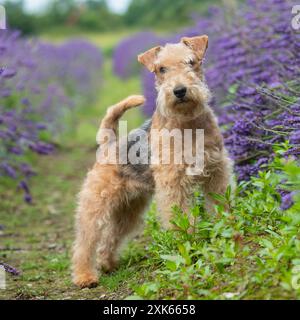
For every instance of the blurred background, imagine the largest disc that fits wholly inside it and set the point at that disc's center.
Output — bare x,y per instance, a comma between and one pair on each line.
64,62
50,16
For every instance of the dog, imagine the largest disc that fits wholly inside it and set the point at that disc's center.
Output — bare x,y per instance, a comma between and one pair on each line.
114,196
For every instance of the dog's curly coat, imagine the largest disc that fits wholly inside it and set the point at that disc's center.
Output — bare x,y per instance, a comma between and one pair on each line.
114,197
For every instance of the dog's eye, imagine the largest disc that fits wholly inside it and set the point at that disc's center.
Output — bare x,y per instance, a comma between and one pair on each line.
162,70
192,63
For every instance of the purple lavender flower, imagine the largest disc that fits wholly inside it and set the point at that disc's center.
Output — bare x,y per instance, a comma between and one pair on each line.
125,54
8,73
10,269
9,170
286,201
45,82
42,148
295,137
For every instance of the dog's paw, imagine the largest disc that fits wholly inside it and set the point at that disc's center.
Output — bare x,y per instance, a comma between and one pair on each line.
86,280
107,265
135,100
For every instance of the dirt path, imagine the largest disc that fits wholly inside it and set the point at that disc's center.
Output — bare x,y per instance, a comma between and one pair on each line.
37,238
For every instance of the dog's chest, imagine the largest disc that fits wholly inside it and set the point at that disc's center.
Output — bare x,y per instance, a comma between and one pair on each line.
192,149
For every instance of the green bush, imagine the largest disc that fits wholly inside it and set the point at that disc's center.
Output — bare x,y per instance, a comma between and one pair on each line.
250,251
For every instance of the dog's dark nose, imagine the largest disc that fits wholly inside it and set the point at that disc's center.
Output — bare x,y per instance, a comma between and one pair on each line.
180,92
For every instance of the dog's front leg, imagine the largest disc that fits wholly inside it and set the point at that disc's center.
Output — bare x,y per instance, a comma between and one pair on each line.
217,183
170,190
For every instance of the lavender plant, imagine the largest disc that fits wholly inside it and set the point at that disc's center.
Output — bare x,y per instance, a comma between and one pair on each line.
10,269
38,84
255,66
124,55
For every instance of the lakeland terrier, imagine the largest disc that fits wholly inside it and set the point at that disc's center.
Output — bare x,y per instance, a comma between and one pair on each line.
114,196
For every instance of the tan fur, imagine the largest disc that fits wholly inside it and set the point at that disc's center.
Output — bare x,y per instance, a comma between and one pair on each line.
110,207
174,186
111,204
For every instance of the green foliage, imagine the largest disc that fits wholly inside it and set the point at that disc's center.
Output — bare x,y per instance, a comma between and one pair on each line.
98,17
92,15
18,19
164,12
249,251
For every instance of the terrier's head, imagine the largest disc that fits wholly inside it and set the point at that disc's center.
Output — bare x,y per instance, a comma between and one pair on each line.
179,78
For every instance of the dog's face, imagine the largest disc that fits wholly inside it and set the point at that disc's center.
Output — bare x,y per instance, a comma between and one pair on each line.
179,78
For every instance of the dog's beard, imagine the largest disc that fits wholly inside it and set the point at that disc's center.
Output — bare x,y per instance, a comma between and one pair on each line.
189,107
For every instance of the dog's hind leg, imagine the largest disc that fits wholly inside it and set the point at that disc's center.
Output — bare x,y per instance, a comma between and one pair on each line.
122,226
84,271
95,207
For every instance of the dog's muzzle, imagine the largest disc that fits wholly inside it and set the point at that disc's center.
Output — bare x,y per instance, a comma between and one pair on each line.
180,92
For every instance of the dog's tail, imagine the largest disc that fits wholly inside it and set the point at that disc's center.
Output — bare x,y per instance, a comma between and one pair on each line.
115,112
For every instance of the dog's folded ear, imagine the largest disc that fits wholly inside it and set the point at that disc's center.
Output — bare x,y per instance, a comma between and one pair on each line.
148,58
198,44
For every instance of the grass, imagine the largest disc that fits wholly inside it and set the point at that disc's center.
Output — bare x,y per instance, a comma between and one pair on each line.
37,238
251,251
